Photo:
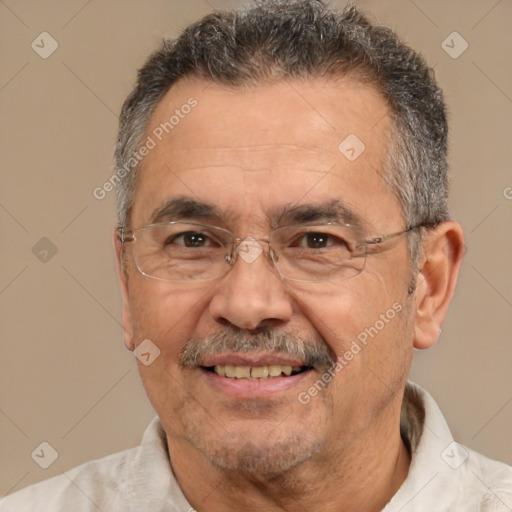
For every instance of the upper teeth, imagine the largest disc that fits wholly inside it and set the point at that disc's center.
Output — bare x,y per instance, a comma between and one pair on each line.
255,372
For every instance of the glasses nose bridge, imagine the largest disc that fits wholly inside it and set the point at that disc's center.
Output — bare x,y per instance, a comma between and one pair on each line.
239,240
250,252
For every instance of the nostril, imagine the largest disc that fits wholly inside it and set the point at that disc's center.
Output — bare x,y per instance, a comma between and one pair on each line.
223,321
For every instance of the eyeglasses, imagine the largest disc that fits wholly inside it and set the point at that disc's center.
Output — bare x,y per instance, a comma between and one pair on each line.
181,252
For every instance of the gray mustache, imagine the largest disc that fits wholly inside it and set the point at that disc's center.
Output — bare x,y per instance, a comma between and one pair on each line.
314,353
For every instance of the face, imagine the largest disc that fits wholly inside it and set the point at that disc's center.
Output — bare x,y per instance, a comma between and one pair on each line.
242,160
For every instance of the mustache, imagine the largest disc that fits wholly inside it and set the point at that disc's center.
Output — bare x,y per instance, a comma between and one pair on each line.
313,353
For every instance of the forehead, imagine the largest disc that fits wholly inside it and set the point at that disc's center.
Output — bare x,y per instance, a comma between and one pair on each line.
249,149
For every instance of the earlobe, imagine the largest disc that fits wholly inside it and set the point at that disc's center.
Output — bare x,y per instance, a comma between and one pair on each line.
443,251
127,328
122,274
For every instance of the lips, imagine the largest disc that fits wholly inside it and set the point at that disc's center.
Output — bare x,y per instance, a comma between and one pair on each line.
254,366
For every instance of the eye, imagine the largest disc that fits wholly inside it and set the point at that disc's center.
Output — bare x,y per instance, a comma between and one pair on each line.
191,239
318,240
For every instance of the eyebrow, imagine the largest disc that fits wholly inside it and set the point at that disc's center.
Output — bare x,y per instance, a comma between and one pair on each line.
185,208
331,211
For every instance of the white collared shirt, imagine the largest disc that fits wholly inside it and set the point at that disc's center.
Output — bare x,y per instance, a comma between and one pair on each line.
444,476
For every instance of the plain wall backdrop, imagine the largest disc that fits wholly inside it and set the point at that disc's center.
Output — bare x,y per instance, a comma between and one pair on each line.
65,377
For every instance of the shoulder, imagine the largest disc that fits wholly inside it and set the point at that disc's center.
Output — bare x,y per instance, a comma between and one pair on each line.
493,480
445,475
98,484
133,480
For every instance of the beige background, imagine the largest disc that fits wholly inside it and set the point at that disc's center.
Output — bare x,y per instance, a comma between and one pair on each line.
65,377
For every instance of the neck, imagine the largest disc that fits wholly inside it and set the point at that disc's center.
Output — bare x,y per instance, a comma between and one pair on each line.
363,474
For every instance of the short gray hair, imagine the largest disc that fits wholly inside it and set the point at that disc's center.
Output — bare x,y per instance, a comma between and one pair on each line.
275,40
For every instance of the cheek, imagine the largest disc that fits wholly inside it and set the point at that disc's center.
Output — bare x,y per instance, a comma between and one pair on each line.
166,313
358,309
364,321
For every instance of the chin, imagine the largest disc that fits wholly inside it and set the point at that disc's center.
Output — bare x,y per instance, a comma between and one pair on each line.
261,458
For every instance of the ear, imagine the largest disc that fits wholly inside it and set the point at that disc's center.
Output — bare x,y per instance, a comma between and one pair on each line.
122,274
439,265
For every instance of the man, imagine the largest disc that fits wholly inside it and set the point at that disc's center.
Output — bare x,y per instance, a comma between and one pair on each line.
284,242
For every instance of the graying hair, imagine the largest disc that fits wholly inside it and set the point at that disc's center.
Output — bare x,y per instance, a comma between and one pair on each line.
275,40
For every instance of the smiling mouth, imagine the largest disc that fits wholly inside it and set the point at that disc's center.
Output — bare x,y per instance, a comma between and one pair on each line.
256,372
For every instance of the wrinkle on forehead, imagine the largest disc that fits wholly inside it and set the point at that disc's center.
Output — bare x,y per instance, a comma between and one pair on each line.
251,147
252,170
277,148
270,157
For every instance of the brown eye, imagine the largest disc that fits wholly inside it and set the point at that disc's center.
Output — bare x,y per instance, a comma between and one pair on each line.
190,239
319,240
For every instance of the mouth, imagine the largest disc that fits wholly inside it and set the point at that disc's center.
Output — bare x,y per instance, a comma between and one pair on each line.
264,372
253,375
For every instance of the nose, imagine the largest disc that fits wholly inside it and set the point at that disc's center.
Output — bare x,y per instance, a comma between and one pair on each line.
251,294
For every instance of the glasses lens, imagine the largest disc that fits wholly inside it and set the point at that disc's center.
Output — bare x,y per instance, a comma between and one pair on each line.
318,253
181,252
